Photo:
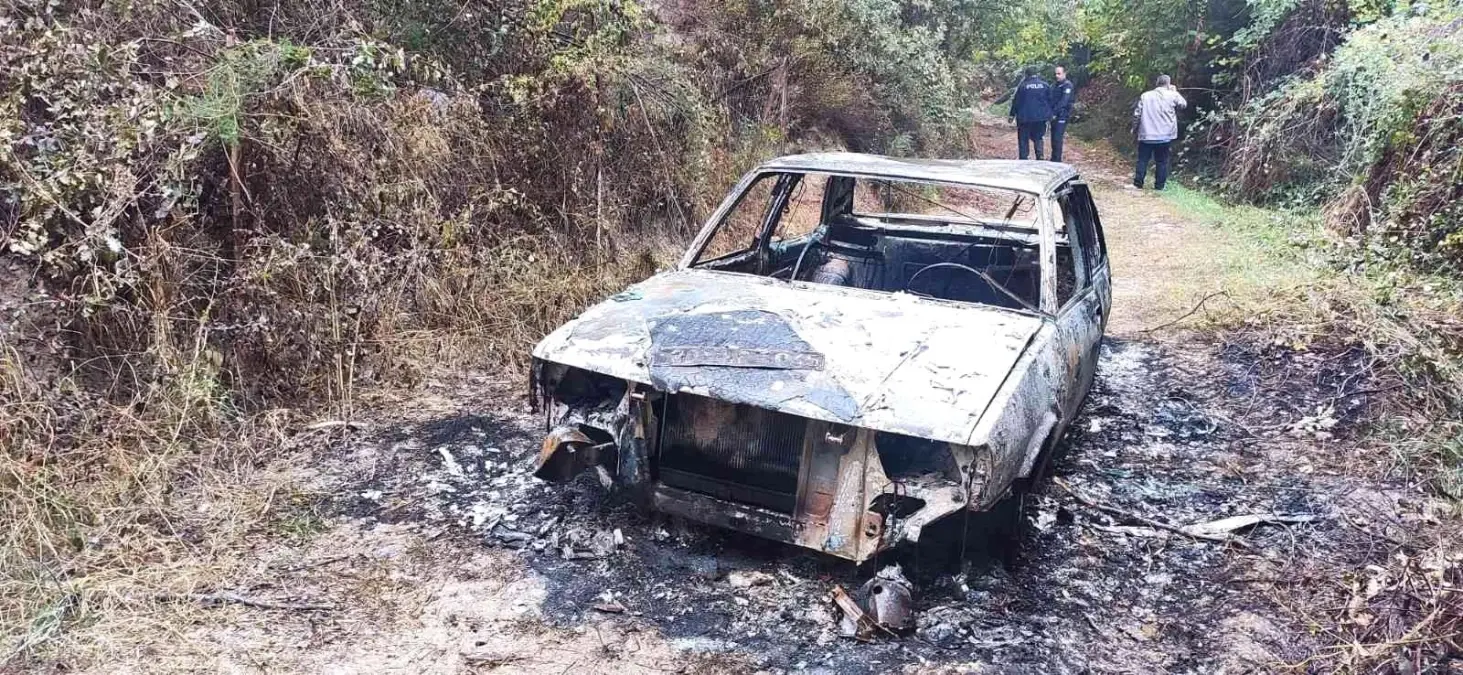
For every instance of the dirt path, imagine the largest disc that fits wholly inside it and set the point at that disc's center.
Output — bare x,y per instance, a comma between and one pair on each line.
439,553
1163,261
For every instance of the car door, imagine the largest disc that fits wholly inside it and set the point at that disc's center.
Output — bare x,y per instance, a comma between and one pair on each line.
1094,246
1081,296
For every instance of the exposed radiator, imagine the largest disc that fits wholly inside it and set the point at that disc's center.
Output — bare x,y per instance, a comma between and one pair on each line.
731,451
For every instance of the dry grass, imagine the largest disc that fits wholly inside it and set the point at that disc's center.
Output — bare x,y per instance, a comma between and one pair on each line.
108,506
114,503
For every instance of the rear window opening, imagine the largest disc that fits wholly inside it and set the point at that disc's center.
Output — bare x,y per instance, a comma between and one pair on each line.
950,242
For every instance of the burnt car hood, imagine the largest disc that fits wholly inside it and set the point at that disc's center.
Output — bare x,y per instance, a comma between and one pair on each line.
888,362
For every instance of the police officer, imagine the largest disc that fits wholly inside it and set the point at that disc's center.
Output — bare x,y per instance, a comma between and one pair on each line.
1064,95
1031,107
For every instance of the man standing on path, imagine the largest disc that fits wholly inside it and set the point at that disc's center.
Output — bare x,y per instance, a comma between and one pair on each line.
1031,108
1156,122
1065,95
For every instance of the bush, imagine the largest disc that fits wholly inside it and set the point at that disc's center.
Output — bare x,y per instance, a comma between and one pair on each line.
215,210
1373,133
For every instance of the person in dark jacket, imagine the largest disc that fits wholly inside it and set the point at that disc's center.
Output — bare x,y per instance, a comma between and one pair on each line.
1064,94
1031,107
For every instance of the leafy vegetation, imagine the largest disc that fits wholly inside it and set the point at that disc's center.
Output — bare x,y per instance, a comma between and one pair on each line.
224,219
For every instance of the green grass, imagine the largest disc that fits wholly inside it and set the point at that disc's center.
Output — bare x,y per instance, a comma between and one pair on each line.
1267,256
1280,235
1291,283
301,519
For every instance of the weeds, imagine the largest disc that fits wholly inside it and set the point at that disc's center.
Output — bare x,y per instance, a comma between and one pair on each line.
213,212
1290,284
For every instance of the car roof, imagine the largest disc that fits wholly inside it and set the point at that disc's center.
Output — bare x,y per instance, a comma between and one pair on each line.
1007,174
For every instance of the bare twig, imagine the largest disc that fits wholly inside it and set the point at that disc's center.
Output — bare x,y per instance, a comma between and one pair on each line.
331,424
1362,392
1156,524
1188,314
317,563
235,598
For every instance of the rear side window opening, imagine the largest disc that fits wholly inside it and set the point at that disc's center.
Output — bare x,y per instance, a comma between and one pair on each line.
951,242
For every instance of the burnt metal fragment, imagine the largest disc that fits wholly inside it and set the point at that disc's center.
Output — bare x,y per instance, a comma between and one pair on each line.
888,599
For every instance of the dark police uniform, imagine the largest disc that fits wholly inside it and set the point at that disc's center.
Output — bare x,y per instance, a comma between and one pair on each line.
1032,107
1064,94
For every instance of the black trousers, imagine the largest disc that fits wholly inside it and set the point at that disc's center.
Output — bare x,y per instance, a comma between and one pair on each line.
1059,133
1158,154
1029,133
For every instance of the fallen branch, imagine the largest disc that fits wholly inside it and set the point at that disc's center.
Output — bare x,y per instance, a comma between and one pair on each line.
1156,524
331,424
235,598
1363,392
316,563
1233,523
1188,314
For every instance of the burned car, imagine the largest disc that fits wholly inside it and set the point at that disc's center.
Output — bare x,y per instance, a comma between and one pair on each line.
852,348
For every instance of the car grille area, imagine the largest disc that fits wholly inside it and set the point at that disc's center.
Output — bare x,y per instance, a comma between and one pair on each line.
734,452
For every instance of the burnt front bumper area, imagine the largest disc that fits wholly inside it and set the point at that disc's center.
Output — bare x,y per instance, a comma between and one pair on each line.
733,452
843,490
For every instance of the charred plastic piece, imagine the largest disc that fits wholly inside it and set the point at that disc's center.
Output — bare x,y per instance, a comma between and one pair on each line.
842,378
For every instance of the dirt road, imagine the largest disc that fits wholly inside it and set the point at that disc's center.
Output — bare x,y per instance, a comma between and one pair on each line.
437,552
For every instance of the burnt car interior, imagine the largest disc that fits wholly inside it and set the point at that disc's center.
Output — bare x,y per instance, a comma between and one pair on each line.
890,236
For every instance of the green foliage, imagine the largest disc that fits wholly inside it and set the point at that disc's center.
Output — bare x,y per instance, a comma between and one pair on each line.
1266,16
1036,32
1133,41
1373,131
1127,42
72,126
865,72
239,72
1384,75
904,63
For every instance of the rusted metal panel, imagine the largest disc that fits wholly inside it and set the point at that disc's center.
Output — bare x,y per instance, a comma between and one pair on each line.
567,451
834,513
721,513
1020,416
1019,175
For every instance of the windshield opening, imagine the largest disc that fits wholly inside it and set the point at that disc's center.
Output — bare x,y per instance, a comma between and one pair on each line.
937,240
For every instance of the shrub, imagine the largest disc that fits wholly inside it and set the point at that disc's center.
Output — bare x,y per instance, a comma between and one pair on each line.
1373,132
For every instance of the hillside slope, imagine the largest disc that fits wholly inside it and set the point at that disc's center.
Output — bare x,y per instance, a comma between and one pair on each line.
370,551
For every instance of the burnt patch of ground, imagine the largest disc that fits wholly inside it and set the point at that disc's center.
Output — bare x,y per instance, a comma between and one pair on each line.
1323,390
1161,439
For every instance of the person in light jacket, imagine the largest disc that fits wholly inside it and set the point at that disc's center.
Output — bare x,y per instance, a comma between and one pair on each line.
1156,122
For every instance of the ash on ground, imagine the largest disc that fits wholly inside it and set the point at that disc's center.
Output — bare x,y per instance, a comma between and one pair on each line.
1089,588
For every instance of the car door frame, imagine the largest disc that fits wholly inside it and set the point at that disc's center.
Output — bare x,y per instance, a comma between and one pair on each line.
1080,320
